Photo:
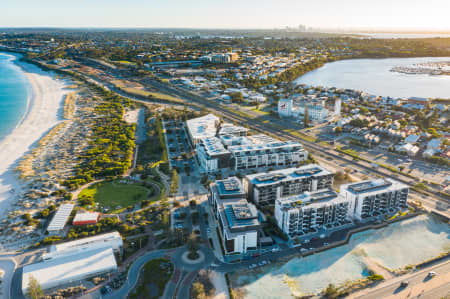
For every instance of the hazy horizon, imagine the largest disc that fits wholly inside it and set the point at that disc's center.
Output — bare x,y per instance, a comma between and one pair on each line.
402,15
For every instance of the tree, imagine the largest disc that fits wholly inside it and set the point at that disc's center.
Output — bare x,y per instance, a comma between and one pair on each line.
237,97
34,288
198,291
192,243
306,117
331,291
338,130
174,182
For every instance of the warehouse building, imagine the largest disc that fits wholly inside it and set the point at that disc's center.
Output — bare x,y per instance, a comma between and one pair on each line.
373,198
265,188
310,212
237,219
84,218
73,267
112,240
60,219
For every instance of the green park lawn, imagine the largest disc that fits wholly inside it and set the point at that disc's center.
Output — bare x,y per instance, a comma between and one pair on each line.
114,194
155,275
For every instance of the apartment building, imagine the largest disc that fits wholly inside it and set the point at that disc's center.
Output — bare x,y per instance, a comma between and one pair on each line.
265,188
237,219
228,129
202,127
262,151
246,152
212,155
311,211
374,197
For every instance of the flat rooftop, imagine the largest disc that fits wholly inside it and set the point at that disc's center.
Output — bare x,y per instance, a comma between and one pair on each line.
59,271
373,186
288,174
241,214
112,239
213,146
315,199
230,186
203,127
59,220
230,129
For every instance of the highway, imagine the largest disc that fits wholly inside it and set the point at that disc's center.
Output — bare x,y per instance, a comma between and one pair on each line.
330,154
420,285
430,201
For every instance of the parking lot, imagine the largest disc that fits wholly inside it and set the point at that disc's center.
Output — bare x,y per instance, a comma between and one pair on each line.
179,149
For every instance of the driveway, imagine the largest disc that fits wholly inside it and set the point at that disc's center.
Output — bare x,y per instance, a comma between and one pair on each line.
7,265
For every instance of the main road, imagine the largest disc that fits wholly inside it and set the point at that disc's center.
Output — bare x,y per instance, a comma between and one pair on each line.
420,285
433,202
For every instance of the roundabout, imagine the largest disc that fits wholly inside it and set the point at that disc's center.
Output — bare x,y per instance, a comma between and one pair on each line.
181,258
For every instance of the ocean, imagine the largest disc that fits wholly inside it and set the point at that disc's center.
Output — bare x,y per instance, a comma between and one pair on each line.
14,93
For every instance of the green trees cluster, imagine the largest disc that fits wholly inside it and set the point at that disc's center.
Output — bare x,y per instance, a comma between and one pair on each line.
110,148
174,182
34,290
102,226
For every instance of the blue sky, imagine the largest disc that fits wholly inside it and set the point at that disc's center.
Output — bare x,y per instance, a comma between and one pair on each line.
226,13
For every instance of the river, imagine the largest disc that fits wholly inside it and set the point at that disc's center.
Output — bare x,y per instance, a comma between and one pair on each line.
374,76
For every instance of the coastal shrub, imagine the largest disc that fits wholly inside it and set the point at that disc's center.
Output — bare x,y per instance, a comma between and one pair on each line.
375,277
110,147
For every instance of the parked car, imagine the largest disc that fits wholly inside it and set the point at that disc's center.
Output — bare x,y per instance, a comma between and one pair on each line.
404,284
431,274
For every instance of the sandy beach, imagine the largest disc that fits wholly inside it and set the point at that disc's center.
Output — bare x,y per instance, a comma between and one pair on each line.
43,113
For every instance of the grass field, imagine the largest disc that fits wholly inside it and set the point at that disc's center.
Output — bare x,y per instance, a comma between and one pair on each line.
114,194
155,276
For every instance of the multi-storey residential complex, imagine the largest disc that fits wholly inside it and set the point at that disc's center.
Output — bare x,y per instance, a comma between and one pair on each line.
265,188
234,149
311,211
227,129
374,197
202,127
212,155
262,151
237,219
317,109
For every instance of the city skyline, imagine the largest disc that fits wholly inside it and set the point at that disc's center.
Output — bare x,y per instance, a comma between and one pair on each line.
350,14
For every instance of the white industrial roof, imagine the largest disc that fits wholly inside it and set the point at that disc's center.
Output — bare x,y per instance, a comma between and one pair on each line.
71,268
113,240
60,219
86,216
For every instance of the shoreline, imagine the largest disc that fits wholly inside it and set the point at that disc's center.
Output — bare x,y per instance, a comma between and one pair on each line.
42,113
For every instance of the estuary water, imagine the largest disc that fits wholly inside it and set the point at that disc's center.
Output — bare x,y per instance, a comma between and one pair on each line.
374,76
398,245
14,94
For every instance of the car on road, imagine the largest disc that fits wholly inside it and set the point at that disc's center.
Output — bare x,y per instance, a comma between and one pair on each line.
431,274
404,284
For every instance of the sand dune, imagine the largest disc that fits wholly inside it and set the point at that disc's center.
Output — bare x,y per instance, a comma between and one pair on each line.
42,114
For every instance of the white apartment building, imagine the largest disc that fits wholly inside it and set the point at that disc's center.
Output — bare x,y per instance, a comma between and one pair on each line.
246,152
262,151
212,155
374,197
317,110
202,127
311,211
265,188
237,219
228,129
